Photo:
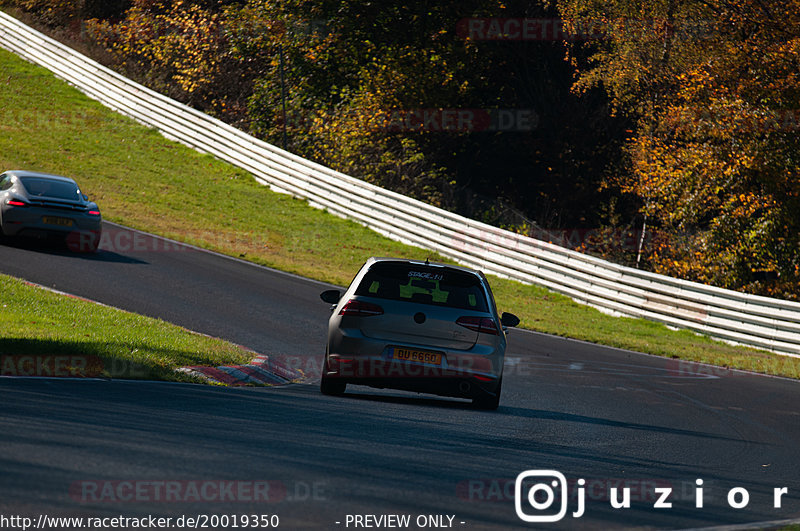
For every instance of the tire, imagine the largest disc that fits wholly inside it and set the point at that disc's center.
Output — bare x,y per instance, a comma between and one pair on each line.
331,386
3,238
489,402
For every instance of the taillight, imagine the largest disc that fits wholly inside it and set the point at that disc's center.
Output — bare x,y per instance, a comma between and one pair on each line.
483,325
14,202
94,212
360,309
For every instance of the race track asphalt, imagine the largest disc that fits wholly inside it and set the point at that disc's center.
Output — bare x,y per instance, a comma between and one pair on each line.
610,417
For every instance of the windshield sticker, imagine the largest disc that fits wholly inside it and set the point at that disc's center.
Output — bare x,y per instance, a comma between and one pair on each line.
426,275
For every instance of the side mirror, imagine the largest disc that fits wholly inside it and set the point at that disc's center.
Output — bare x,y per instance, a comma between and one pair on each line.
509,319
331,296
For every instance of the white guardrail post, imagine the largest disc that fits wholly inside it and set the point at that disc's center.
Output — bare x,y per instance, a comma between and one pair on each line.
728,315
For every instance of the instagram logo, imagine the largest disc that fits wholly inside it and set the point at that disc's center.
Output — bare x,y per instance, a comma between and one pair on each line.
541,495
542,490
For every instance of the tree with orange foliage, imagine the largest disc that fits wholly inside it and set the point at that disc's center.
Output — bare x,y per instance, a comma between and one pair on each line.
714,86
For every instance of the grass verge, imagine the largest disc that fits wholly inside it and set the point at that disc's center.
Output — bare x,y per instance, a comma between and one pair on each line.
48,334
142,180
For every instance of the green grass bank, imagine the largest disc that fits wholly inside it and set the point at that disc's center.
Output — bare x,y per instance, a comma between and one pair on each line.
145,181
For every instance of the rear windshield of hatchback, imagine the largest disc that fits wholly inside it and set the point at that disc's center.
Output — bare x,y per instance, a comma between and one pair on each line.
37,186
424,285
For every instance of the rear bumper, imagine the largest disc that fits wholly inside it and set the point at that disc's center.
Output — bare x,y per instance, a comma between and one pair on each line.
30,221
447,366
467,379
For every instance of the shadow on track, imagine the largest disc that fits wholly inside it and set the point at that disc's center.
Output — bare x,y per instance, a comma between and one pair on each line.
58,247
426,400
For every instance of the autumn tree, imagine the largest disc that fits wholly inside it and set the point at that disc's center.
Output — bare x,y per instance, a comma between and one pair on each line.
346,67
371,89
177,48
714,88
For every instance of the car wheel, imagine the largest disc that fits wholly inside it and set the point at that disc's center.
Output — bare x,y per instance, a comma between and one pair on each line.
489,402
330,386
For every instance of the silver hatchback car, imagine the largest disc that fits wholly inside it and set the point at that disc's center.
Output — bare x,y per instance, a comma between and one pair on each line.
417,326
42,205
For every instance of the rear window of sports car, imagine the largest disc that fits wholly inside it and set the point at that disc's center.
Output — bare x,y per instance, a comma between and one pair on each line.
424,285
36,186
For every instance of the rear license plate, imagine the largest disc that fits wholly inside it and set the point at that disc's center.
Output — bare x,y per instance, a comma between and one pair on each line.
51,220
419,356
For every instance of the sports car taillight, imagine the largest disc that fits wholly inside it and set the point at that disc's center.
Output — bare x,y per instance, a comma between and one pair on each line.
94,212
14,202
483,325
360,309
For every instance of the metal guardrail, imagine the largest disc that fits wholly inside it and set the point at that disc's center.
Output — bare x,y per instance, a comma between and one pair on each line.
728,315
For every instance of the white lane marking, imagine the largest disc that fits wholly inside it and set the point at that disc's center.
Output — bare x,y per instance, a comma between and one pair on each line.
743,527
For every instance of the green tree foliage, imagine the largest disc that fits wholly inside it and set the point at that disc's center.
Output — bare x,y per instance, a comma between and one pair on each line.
356,69
178,48
354,73
683,112
714,88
